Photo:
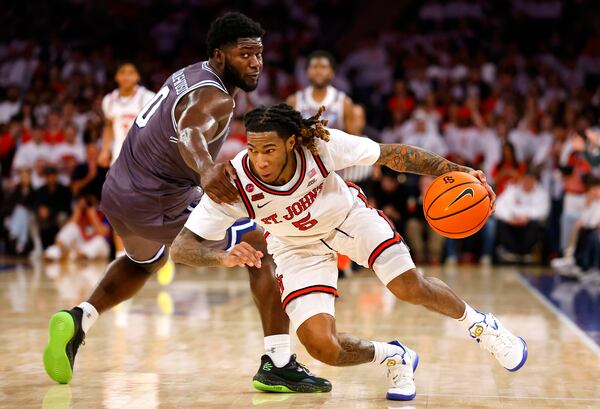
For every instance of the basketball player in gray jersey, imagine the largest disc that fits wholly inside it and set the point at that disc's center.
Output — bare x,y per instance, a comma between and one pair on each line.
164,167
321,71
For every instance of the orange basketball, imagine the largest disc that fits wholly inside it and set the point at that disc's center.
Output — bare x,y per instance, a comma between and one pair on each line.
456,205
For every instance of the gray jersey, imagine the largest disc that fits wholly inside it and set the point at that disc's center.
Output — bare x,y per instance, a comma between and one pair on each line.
150,180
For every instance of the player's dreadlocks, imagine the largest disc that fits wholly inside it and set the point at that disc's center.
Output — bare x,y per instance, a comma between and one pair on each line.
286,121
228,28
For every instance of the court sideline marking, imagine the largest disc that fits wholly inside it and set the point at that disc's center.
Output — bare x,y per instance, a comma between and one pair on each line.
585,338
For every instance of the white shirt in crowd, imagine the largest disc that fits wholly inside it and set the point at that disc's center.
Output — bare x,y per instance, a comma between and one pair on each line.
122,111
516,202
29,153
65,150
527,144
430,140
8,109
464,142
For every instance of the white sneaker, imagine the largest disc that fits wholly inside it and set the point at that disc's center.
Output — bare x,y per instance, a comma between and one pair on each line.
401,367
508,349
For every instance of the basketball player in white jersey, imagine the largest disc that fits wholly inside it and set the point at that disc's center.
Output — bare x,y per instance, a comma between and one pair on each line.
120,108
320,72
288,185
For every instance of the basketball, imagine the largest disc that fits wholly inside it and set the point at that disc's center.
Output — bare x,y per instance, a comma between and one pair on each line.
456,205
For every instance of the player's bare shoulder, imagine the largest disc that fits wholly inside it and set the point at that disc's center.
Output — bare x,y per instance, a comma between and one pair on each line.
208,101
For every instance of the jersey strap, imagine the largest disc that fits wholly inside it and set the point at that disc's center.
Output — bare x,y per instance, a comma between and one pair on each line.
320,164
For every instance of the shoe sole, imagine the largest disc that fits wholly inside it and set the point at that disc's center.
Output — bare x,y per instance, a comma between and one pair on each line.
56,362
398,396
278,385
523,360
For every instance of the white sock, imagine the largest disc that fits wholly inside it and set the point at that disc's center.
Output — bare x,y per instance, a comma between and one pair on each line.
90,315
470,317
279,349
383,350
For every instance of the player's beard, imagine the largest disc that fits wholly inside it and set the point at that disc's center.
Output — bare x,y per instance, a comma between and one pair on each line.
233,77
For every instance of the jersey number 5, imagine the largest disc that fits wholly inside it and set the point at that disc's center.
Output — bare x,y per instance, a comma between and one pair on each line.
305,223
151,107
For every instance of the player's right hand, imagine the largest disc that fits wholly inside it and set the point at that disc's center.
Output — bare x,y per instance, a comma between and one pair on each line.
217,185
243,254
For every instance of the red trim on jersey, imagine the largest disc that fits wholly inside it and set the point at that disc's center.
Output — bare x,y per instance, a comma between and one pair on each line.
361,196
320,164
243,195
266,188
307,290
379,249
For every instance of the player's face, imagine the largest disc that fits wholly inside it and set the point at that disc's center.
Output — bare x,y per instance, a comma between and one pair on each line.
243,63
270,156
127,76
320,72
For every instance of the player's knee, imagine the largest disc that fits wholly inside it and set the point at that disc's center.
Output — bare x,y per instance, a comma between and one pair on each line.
321,345
149,268
410,286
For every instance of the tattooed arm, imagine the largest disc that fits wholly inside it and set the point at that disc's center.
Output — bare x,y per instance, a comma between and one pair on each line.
407,158
191,249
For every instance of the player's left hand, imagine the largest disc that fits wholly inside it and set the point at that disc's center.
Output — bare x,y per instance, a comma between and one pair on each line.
481,177
243,254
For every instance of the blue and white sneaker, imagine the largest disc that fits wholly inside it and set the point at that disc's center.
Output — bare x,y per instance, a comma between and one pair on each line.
508,349
401,367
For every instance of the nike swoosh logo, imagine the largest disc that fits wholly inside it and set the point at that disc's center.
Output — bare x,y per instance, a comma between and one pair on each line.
263,205
467,192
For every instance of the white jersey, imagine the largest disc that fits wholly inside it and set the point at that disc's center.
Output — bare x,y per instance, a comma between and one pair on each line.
303,211
333,102
122,111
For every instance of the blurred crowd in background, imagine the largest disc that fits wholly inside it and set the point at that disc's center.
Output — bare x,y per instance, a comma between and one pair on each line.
512,88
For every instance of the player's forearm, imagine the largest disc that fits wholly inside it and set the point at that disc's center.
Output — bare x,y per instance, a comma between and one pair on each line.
188,248
411,159
107,137
194,150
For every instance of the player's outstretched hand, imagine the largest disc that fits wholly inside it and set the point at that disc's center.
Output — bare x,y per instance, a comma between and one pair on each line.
481,176
243,254
216,183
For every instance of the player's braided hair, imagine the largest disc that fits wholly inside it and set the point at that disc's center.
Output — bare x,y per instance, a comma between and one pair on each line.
228,28
286,121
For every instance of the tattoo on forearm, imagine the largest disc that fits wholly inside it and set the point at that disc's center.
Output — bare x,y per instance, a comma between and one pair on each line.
188,249
354,350
407,158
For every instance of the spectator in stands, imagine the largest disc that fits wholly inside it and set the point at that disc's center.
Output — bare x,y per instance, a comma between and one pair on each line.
425,244
54,133
84,236
68,154
521,210
33,155
11,104
424,134
508,169
88,177
8,144
576,169
52,205
17,212
587,249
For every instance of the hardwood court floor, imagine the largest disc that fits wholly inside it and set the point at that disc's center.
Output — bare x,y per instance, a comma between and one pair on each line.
196,344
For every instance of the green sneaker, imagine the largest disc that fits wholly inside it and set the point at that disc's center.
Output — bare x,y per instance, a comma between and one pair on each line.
64,337
294,377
